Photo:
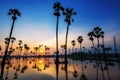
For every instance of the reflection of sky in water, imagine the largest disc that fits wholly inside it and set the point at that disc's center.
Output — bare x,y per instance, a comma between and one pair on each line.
36,76
45,69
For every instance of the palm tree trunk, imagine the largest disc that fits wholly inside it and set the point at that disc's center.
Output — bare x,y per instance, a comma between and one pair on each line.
103,45
57,52
5,54
93,44
98,47
66,43
82,67
73,49
80,48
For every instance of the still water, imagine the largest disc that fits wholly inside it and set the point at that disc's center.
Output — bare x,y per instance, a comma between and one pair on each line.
46,69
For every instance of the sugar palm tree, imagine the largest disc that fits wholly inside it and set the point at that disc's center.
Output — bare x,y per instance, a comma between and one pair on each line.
36,49
14,13
80,40
102,36
11,48
68,13
90,34
57,7
6,42
46,50
97,34
13,39
20,47
20,42
73,44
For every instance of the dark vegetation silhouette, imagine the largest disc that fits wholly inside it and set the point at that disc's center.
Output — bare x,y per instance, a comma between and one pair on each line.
100,53
57,8
80,40
14,13
73,42
68,13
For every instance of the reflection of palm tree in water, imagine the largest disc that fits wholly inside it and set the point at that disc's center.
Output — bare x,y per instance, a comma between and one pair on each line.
34,66
8,66
83,76
17,68
57,70
75,73
6,78
106,68
66,71
96,65
24,65
47,63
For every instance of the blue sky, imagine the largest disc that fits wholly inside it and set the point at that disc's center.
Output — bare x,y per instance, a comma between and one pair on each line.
37,22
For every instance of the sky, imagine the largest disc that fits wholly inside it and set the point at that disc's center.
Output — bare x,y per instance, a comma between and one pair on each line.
37,24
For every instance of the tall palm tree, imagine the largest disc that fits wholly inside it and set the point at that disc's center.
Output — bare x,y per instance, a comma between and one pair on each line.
97,34
90,34
73,44
80,40
57,7
14,13
68,13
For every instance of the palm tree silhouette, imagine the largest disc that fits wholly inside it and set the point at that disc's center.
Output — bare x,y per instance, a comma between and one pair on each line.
36,49
57,7
6,42
20,47
103,46
68,13
26,49
83,76
97,34
14,13
75,73
80,40
73,44
90,34
11,48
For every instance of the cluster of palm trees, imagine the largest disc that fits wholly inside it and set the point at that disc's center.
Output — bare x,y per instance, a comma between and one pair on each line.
100,48
46,49
80,40
68,13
